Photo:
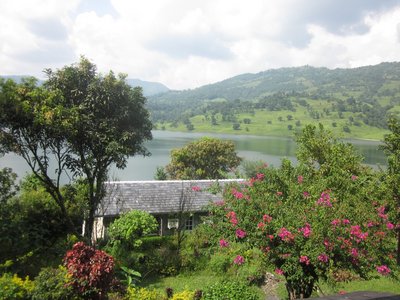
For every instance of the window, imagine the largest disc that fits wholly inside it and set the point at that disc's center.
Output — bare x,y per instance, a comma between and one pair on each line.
189,223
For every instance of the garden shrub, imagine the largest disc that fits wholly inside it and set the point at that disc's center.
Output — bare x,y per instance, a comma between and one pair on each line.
13,287
134,293
130,227
91,271
52,283
220,262
195,252
183,295
232,290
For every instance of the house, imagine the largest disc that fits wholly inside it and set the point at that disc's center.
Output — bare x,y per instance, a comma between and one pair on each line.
174,203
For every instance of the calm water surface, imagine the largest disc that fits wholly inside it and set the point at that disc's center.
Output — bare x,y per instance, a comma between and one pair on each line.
268,149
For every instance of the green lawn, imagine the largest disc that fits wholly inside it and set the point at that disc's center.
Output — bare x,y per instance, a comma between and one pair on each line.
201,279
285,123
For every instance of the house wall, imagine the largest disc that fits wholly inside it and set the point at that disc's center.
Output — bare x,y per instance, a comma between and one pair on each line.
101,223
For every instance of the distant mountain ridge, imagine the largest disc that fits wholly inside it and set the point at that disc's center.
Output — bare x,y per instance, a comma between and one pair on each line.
297,79
149,88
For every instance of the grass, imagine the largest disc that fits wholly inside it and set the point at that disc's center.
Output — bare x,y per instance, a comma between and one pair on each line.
188,281
277,123
201,279
381,284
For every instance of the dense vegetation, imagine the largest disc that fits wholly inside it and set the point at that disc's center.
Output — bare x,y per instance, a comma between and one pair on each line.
354,102
327,220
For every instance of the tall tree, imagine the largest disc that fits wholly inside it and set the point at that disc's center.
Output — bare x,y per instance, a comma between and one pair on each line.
207,158
86,120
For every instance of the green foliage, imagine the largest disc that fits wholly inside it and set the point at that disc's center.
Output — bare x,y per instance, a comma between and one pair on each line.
207,158
32,228
13,287
8,188
160,174
51,284
329,213
130,227
79,119
250,168
183,295
131,276
392,150
134,293
232,290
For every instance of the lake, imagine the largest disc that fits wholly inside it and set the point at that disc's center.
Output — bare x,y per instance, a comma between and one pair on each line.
268,149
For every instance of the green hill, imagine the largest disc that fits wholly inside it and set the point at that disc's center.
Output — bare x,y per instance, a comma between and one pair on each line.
353,102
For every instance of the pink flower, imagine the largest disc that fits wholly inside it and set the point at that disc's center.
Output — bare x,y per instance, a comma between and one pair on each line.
323,258
196,188
279,271
285,235
260,176
239,260
223,243
354,177
306,194
342,292
306,230
370,224
335,222
279,193
260,225
237,194
304,259
240,233
354,252
389,226
267,218
300,179
384,270
381,212
346,221
325,200
232,217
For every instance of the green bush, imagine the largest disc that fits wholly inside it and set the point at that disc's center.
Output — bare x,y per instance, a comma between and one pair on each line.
184,295
129,228
13,287
52,283
142,294
229,290
219,262
195,251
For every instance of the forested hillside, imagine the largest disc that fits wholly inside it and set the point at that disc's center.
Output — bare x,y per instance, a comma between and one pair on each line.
355,102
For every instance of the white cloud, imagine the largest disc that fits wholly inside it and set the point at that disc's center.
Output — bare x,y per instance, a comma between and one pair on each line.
185,44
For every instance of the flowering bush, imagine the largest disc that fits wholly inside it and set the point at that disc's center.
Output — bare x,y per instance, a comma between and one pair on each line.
91,271
310,221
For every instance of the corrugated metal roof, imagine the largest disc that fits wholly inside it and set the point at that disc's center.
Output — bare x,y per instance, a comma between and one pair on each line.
160,197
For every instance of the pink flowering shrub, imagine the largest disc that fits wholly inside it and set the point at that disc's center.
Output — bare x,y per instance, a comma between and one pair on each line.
310,221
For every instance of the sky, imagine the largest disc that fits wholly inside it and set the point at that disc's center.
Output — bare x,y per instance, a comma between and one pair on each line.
185,44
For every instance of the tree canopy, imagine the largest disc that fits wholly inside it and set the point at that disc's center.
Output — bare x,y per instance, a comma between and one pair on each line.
79,119
206,158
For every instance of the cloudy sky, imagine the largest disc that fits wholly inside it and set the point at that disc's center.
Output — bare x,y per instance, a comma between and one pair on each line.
188,43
